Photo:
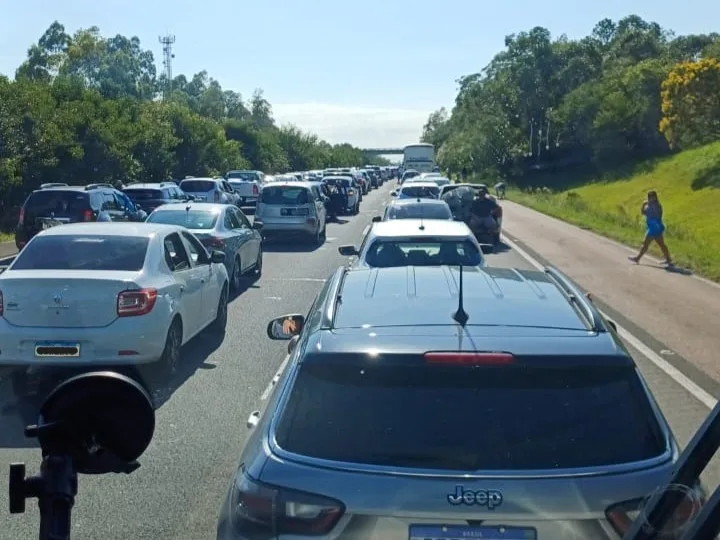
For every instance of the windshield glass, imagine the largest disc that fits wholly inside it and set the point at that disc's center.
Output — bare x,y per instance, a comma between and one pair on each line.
138,194
197,186
190,219
92,252
481,419
57,202
418,211
422,252
242,175
412,190
285,195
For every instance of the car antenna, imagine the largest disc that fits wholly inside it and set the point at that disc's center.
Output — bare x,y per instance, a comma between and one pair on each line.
422,223
460,316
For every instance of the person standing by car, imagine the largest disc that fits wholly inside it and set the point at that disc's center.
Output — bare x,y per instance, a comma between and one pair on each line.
483,209
655,228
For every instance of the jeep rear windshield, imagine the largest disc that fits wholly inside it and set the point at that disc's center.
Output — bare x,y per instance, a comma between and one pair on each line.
197,186
457,418
76,252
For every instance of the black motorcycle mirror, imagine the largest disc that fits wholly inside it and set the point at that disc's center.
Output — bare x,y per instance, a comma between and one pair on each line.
94,423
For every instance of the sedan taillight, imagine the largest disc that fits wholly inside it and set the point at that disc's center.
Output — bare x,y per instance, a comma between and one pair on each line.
136,302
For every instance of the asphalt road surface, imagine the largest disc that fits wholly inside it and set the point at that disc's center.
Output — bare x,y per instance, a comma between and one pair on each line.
201,423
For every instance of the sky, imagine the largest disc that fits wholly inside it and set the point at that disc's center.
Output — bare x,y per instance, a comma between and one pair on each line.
368,73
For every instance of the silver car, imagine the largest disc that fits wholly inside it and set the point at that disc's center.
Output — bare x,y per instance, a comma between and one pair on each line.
291,208
212,190
405,413
221,227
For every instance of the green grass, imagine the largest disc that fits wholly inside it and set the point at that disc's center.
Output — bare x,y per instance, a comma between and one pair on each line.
688,185
7,237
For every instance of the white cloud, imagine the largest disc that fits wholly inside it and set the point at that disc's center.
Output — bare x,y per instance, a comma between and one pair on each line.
361,126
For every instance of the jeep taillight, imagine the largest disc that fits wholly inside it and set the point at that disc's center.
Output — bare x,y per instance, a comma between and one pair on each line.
621,516
257,509
136,302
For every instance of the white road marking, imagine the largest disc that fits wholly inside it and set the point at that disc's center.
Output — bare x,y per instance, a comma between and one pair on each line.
275,379
273,298
701,395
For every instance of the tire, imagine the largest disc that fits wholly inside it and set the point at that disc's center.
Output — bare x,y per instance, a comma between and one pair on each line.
317,239
356,210
219,325
236,278
257,271
170,360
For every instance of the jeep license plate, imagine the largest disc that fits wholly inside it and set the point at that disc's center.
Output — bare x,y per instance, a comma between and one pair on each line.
470,532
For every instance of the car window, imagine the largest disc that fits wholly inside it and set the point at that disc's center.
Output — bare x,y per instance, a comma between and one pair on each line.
285,195
190,219
175,255
467,419
197,252
242,218
420,191
419,211
231,220
121,201
77,252
144,194
109,202
51,201
197,186
384,253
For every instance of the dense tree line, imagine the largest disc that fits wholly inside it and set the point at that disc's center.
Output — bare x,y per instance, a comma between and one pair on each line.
85,108
629,90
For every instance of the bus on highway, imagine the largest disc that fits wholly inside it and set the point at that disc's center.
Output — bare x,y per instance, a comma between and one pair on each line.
420,157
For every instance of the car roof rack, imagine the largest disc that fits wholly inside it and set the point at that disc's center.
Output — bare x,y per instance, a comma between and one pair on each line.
664,502
101,185
576,298
53,184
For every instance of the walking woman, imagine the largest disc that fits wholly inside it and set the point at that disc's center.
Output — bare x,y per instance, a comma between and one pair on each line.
653,212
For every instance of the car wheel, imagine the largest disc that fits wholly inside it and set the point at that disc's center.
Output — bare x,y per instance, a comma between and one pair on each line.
257,271
219,325
170,359
318,238
496,239
356,210
236,279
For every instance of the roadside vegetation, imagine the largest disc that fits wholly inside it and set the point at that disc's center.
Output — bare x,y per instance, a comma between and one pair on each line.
85,108
584,128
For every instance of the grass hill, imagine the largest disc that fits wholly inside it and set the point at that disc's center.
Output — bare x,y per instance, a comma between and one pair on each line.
688,185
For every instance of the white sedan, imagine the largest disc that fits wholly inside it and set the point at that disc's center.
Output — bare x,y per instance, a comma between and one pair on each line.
417,242
110,294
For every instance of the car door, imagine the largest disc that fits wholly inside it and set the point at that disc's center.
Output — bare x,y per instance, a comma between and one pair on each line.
208,281
233,241
251,239
187,277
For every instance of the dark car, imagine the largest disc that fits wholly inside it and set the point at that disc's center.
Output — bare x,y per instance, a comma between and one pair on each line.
54,204
152,195
422,402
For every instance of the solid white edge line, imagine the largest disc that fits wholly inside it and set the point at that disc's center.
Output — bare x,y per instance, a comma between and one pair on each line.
274,380
671,371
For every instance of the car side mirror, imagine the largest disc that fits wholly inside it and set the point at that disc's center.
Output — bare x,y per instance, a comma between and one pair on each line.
348,251
487,248
217,256
257,225
612,325
377,219
285,327
393,193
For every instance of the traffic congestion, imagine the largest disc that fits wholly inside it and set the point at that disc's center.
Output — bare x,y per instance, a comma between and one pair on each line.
312,343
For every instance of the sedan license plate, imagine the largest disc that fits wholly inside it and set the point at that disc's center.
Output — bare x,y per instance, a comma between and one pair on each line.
57,349
468,532
293,211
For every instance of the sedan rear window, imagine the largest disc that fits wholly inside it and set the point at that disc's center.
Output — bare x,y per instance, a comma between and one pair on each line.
144,194
421,191
243,176
456,418
285,195
190,219
197,186
58,202
76,252
422,252
419,211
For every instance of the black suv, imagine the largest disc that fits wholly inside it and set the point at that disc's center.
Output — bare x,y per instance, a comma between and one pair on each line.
57,204
150,196
439,402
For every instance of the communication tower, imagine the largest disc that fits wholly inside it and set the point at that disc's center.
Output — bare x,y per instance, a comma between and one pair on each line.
167,43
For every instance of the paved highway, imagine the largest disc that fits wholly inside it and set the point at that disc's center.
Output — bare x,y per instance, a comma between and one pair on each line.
201,422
